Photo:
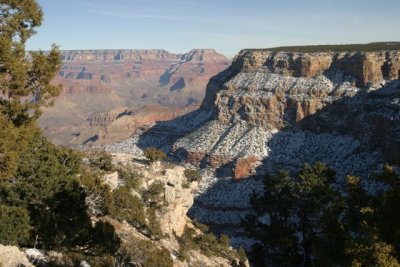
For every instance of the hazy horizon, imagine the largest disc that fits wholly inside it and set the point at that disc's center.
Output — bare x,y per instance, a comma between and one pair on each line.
226,26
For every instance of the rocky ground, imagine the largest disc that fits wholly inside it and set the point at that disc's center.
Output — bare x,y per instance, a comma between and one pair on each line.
177,198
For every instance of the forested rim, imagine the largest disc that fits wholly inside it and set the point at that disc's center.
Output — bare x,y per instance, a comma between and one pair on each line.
370,47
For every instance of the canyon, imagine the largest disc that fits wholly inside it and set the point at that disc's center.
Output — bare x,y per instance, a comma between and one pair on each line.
108,94
275,110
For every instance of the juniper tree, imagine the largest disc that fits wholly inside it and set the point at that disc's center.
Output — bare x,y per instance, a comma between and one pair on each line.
24,77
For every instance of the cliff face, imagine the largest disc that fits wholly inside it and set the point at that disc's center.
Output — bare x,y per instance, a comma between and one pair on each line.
288,108
95,71
272,111
99,82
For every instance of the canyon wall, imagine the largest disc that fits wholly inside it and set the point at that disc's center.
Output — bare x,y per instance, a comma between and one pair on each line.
266,95
275,110
97,83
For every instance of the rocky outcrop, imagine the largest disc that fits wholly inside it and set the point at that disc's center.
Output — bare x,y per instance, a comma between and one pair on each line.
120,123
111,179
266,92
274,111
365,67
11,256
244,167
172,217
198,259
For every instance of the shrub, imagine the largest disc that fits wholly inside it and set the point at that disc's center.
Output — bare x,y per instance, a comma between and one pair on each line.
192,175
14,225
105,240
153,154
207,243
202,227
125,206
97,193
136,252
103,161
153,225
131,178
224,240
153,195
242,256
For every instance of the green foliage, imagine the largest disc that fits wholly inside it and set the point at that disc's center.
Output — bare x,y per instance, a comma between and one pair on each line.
136,252
153,194
130,177
22,77
205,242
103,161
372,253
242,256
50,185
42,190
44,169
62,221
388,205
125,206
153,225
338,226
153,154
105,240
295,206
12,144
192,175
202,227
14,225
224,240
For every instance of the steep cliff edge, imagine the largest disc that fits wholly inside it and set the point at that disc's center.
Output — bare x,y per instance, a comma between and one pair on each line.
287,108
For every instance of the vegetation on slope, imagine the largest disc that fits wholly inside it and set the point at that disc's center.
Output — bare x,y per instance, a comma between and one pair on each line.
48,196
370,47
310,220
200,239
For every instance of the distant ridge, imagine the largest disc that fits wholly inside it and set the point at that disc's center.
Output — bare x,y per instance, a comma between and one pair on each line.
376,46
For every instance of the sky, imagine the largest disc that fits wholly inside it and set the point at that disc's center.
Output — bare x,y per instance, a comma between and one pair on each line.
225,25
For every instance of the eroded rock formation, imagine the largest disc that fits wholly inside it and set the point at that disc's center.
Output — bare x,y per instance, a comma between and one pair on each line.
272,111
269,103
151,85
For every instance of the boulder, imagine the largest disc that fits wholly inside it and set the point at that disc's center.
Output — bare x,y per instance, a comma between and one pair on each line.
112,180
11,256
169,194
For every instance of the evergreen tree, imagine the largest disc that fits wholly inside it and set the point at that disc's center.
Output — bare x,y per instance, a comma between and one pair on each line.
24,79
309,220
291,215
42,202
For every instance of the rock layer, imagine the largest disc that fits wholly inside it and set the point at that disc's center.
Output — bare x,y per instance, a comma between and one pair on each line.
265,95
151,84
272,111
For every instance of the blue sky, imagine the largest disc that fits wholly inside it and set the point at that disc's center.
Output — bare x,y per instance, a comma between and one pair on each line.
225,25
